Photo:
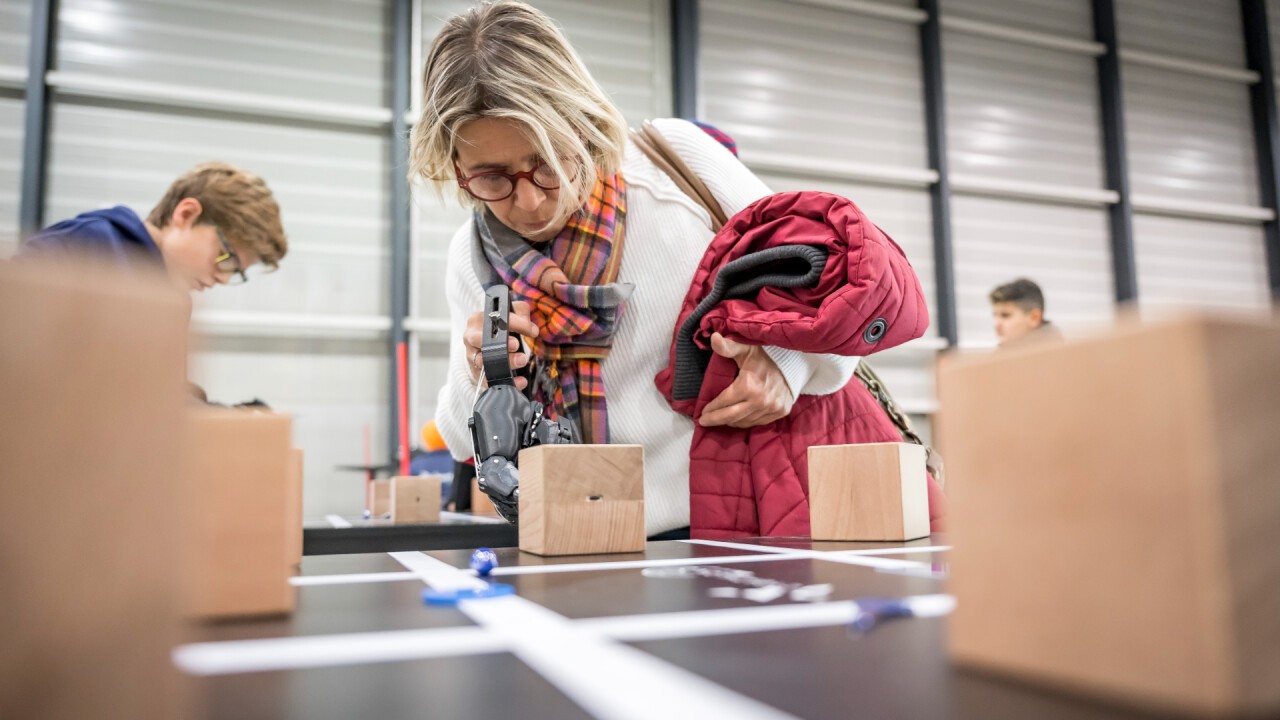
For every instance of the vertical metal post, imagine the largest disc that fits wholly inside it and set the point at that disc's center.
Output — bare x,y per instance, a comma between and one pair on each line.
1262,96
401,53
684,57
35,139
1111,97
935,115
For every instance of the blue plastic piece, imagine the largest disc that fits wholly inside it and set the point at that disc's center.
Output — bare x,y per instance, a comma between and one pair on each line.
874,611
453,597
483,561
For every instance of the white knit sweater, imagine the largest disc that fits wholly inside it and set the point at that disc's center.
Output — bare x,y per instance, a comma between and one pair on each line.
667,234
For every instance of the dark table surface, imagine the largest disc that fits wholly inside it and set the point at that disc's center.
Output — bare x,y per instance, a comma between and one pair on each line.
662,608
359,535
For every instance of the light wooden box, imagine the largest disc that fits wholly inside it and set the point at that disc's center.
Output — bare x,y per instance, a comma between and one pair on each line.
480,503
871,492
92,400
381,501
239,470
415,499
1116,511
293,509
582,499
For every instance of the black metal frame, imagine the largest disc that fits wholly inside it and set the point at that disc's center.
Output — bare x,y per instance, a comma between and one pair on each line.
1262,97
935,115
401,78
1115,152
684,58
35,139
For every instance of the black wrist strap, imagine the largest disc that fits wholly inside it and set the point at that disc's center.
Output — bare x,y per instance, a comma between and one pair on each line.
497,312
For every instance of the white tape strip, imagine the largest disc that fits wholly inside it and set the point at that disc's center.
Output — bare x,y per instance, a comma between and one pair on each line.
437,573
338,521
746,546
296,653
797,553
706,623
352,578
467,517
622,682
632,564
894,551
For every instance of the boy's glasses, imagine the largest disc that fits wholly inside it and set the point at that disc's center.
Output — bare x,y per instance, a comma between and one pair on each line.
229,262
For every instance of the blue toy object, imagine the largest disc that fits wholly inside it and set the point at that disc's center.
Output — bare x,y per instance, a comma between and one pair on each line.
453,597
483,561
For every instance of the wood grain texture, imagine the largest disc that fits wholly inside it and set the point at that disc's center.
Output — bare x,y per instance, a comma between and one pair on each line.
480,503
239,467
1114,499
582,499
92,394
381,497
415,499
870,492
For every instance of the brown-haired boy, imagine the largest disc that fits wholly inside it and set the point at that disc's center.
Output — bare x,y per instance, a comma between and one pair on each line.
1018,310
213,224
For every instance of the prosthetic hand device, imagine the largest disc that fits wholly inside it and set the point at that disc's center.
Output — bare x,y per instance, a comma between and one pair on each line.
503,420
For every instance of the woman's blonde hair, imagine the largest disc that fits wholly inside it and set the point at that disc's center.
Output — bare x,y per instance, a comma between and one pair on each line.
507,60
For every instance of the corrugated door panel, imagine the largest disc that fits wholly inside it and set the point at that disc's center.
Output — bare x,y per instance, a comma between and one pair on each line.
11,117
902,213
1202,30
1185,263
1064,249
814,83
1065,18
334,53
331,186
1189,137
1018,112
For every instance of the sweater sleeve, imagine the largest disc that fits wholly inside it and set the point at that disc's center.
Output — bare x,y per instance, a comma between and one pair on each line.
465,297
735,187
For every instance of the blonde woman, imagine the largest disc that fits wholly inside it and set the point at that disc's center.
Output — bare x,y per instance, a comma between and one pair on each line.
597,244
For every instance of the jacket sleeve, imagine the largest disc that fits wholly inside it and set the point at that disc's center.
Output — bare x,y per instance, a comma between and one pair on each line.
457,396
735,187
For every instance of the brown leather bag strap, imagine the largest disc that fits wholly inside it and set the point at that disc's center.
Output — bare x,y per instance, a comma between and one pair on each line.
660,153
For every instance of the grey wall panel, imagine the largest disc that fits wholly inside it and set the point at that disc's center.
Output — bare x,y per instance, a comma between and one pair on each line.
813,83
11,116
335,53
334,389
1018,112
1189,137
331,186
1186,263
902,213
1064,249
15,25
1204,30
1065,18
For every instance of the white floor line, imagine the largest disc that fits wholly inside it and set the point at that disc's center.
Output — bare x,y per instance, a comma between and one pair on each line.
894,551
338,521
622,683
297,653
799,553
468,517
351,578
632,564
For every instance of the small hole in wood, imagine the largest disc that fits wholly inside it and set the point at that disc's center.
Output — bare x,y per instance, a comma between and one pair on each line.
594,498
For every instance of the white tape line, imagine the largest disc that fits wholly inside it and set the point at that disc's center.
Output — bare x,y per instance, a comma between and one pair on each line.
607,679
338,521
351,578
798,553
437,573
241,656
296,653
621,683
894,551
632,564
466,517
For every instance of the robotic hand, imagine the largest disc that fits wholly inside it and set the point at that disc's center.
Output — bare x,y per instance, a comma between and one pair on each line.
503,420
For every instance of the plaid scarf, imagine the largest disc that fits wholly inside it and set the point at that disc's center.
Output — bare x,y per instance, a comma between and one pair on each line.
575,298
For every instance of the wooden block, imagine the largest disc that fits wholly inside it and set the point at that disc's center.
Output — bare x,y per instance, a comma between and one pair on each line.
92,396
381,497
239,465
415,499
581,499
480,503
1116,514
873,492
293,509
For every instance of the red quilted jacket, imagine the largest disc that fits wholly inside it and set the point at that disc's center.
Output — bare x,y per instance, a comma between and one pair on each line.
805,271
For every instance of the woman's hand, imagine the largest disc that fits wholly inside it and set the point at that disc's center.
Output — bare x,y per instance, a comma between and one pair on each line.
758,396
521,323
